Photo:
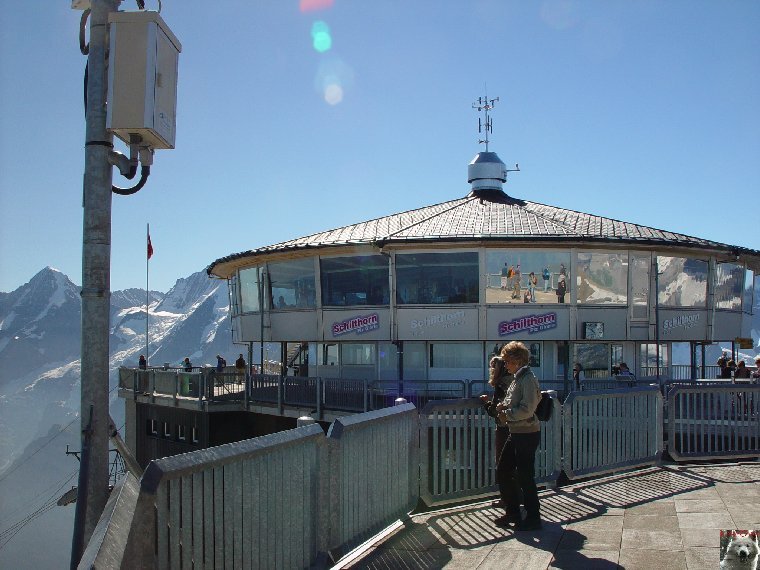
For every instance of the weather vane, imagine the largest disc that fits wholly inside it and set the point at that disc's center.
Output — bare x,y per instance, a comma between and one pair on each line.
485,104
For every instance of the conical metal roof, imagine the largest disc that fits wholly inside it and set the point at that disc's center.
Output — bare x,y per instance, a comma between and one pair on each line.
492,216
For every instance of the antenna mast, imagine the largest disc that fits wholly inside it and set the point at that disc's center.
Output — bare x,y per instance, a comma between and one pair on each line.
485,104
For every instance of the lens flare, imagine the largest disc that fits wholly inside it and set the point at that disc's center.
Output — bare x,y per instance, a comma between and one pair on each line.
314,5
333,94
333,79
320,36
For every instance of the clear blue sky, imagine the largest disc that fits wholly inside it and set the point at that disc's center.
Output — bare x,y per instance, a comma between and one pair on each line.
643,111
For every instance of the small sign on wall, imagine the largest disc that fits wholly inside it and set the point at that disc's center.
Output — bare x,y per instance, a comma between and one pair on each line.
593,330
744,343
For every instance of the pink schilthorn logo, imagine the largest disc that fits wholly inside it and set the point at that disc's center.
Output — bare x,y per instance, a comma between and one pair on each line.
530,323
358,325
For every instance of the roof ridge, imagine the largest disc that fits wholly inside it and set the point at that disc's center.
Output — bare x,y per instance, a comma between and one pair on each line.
459,202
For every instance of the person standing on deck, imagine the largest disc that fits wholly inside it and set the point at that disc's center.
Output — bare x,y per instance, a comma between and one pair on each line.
500,379
515,471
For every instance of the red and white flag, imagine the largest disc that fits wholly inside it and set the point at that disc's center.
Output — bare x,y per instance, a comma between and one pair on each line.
150,248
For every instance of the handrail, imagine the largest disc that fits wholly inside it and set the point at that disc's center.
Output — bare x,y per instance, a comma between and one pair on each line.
706,422
610,430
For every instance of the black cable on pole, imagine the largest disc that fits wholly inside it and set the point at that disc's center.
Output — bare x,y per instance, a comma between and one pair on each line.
84,47
144,173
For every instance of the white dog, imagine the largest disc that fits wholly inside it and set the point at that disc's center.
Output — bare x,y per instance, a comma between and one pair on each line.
742,552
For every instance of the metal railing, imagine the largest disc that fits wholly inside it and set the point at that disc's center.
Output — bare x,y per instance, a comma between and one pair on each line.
606,431
287,499
373,469
707,422
383,393
283,500
458,459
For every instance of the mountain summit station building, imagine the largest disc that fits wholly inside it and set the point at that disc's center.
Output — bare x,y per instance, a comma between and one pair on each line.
428,295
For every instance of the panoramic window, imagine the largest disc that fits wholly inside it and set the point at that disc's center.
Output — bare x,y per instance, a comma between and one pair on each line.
602,278
456,355
749,285
527,276
682,282
356,280
328,354
729,282
437,278
353,354
593,357
415,365
249,289
640,286
648,353
292,285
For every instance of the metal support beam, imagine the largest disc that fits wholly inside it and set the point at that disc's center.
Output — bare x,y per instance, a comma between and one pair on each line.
96,283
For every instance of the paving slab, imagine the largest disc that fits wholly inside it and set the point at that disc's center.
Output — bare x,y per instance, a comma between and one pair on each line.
634,538
705,520
641,559
661,517
701,558
586,560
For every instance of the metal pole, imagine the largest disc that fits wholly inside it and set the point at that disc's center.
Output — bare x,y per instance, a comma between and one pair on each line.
147,297
657,314
96,283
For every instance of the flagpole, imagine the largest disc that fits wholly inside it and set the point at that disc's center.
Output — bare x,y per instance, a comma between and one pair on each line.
147,297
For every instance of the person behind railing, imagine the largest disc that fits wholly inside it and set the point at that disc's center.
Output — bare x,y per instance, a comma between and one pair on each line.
725,371
240,368
142,363
624,373
187,365
741,370
578,376
756,374
500,379
515,470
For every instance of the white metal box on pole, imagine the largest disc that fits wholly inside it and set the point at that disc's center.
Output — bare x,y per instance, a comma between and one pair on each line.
142,78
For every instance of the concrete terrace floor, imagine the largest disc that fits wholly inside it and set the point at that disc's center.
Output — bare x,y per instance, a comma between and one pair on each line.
660,517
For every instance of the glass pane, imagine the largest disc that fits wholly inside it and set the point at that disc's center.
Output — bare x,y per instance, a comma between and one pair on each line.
602,278
456,355
437,278
593,358
616,354
387,358
328,354
292,284
358,280
729,282
748,287
682,282
525,276
640,286
249,289
415,365
358,353
648,359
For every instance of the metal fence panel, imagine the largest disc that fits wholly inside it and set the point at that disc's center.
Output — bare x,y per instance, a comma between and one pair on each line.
706,422
606,431
374,455
208,503
457,456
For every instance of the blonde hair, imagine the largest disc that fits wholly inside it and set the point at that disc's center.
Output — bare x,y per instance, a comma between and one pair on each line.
517,352
495,368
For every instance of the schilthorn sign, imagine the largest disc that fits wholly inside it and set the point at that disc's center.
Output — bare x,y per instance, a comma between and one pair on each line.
530,324
359,324
685,321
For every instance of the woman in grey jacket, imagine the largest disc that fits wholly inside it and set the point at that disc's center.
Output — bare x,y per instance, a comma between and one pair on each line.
515,470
